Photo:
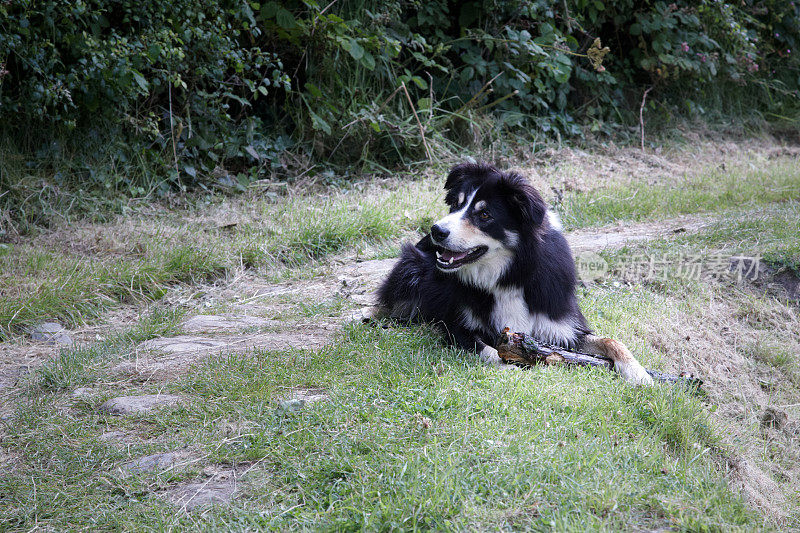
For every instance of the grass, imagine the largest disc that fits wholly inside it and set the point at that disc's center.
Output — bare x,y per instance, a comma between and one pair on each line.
710,192
73,366
773,231
414,436
282,237
768,234
38,286
60,284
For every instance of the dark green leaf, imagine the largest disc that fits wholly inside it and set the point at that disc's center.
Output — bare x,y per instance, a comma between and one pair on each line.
285,19
140,81
355,50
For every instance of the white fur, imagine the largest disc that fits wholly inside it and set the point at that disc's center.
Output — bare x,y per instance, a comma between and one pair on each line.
512,238
489,356
469,320
633,372
511,311
453,220
554,220
489,268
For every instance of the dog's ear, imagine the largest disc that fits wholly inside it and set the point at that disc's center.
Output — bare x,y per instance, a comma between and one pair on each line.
525,198
468,172
471,174
458,175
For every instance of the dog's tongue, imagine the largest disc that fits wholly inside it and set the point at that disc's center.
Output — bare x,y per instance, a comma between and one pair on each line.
447,255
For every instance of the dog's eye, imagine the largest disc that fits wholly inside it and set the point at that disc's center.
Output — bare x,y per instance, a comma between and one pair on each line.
484,215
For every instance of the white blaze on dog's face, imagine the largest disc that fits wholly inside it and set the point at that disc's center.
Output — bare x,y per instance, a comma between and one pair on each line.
476,240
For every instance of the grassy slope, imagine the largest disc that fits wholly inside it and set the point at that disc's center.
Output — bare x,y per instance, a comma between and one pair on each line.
414,435
712,191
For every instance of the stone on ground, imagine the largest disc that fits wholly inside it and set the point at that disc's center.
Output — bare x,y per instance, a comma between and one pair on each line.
126,405
300,397
51,333
158,462
220,488
203,323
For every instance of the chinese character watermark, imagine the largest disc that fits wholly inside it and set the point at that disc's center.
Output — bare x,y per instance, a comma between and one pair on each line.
591,267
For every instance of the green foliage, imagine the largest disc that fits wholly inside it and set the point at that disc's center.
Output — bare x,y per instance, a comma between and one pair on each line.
179,78
219,93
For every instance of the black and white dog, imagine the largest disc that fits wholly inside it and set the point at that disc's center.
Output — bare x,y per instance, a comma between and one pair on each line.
498,260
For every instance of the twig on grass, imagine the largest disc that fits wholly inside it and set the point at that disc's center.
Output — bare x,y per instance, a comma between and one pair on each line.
172,129
501,99
641,114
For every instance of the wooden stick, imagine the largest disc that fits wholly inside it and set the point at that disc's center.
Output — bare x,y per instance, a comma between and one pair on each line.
523,349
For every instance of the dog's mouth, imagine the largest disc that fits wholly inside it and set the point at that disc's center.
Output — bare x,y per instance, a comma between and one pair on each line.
451,259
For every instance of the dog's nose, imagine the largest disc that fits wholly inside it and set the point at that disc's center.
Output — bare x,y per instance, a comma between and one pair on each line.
438,233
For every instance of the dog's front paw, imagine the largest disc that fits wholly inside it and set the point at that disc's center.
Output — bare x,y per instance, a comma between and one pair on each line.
365,315
632,372
490,357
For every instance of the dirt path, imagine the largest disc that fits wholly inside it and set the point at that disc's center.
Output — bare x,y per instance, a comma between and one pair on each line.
595,239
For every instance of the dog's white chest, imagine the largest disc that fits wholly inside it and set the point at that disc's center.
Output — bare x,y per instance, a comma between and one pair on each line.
511,311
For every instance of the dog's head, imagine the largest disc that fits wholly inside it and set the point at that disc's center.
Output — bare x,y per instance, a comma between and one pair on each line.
490,212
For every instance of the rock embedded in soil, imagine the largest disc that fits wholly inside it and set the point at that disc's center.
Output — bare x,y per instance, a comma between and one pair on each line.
301,397
184,344
309,395
126,405
202,323
83,392
112,436
51,333
167,357
291,405
220,488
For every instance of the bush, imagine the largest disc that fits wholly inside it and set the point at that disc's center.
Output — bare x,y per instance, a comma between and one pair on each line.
177,71
216,93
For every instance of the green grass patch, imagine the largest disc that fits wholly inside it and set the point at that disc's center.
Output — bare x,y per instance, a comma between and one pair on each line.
38,286
772,232
714,191
282,240
309,228
413,436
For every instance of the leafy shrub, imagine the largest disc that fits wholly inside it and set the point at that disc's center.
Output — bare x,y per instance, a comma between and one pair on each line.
215,93
177,71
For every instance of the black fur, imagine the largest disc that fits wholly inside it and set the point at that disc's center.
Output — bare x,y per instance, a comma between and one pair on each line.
541,264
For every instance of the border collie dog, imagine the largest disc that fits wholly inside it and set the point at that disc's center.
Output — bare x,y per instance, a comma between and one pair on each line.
497,260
